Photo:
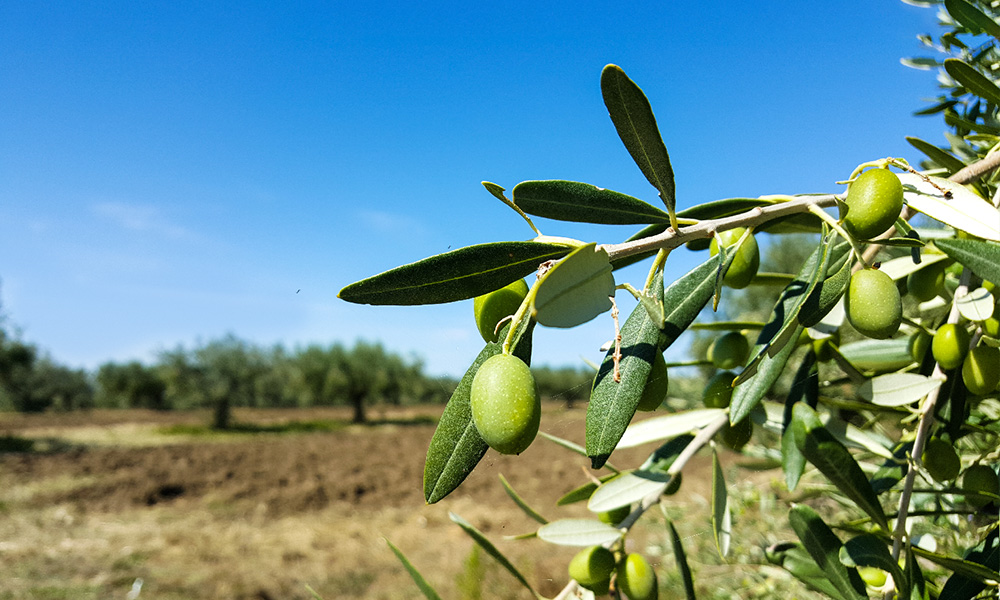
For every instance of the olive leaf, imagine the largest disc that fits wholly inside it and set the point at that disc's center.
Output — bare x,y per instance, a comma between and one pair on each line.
833,460
612,404
824,546
971,79
794,558
972,18
681,559
457,275
982,257
867,550
584,203
574,290
492,550
633,118
425,588
956,206
722,519
456,447
938,155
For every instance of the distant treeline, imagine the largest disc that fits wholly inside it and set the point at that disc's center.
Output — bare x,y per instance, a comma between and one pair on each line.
230,372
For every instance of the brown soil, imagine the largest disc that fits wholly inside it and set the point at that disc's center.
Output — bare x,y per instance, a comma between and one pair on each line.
264,515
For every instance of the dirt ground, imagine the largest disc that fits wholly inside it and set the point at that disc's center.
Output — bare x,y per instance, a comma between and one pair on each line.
112,501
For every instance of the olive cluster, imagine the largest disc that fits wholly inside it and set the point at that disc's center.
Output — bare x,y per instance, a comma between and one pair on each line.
593,568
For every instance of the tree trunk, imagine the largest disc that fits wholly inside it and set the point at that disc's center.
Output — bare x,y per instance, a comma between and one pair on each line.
222,419
358,402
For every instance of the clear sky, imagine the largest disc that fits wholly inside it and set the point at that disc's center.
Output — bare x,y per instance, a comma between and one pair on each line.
173,171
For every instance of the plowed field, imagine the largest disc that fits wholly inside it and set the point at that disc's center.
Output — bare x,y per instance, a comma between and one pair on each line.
107,501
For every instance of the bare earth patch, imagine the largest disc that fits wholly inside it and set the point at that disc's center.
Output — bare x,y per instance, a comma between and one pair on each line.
258,516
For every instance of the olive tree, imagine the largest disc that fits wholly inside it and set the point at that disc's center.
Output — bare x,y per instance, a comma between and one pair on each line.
910,445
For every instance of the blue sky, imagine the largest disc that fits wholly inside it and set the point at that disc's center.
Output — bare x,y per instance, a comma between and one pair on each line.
175,171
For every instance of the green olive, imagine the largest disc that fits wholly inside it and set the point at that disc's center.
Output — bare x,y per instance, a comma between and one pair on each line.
637,579
656,385
729,350
980,478
592,565
873,304
950,345
873,576
927,283
941,460
615,515
919,342
719,390
746,262
736,436
505,405
981,370
497,305
874,201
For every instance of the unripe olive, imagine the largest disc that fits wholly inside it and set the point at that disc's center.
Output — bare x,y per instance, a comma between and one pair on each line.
980,478
874,201
592,565
505,405
950,345
941,460
493,307
615,515
637,579
656,385
873,576
719,390
873,304
919,342
729,350
927,283
981,370
746,262
737,435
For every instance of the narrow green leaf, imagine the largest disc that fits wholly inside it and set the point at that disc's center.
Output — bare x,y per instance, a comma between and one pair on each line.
722,518
972,80
492,550
956,207
867,550
979,564
915,576
897,389
456,447
574,290
613,403
682,565
824,546
425,587
794,558
584,203
457,275
938,155
579,532
936,108
584,492
633,118
519,501
972,18
774,346
804,387
728,325
982,257
716,209
834,461
921,63
893,469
